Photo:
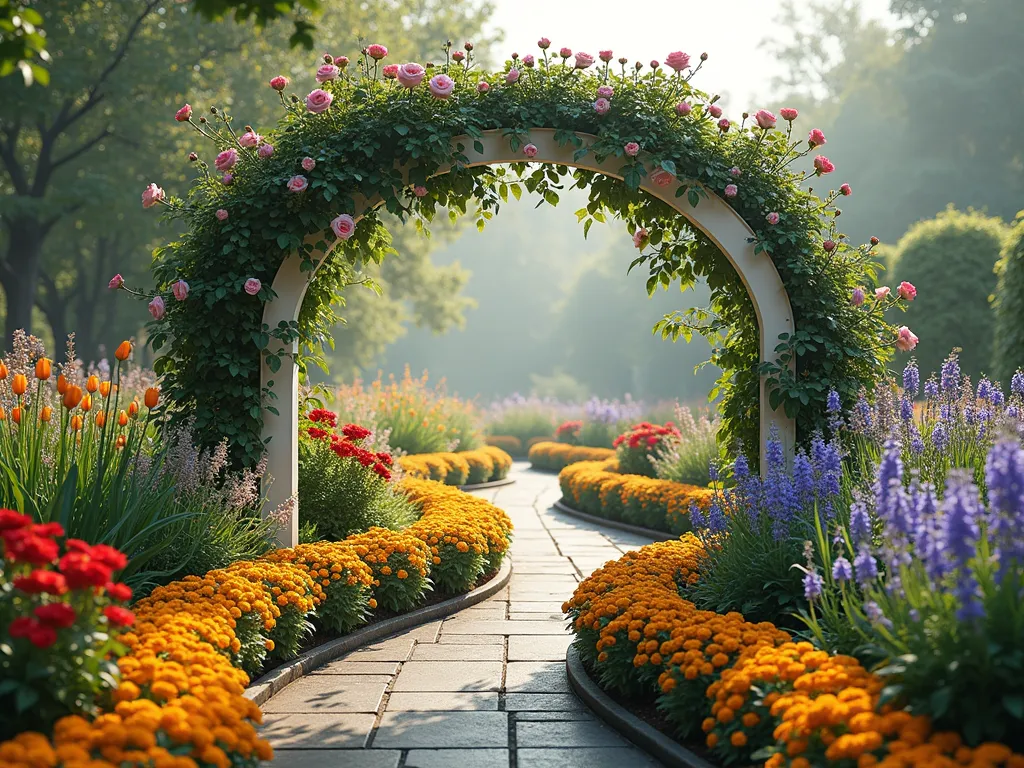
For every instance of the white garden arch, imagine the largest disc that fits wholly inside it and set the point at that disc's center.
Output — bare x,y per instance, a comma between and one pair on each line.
712,216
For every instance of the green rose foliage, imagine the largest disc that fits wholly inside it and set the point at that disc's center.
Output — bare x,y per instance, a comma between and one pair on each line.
1008,342
212,342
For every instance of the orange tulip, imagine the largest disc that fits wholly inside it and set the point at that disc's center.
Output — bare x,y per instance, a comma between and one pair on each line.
105,388
87,403
19,384
3,414
121,440
76,423
16,415
133,408
72,396
101,419
92,383
152,397
3,371
45,414
43,369
62,384
122,419
124,349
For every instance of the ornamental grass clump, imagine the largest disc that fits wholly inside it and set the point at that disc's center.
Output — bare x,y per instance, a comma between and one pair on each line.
637,447
687,457
524,418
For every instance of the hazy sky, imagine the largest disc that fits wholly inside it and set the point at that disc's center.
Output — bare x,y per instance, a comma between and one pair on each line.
730,31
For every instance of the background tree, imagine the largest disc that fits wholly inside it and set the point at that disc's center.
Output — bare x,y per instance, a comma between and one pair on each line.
1008,339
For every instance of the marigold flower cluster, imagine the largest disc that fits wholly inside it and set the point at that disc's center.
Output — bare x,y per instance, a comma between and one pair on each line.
553,457
510,444
400,562
465,467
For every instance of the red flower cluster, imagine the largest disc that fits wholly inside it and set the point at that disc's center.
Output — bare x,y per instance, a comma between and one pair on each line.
346,446
323,416
32,549
645,434
568,428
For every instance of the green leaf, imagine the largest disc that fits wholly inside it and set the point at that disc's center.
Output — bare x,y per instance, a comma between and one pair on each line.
401,130
693,197
1014,704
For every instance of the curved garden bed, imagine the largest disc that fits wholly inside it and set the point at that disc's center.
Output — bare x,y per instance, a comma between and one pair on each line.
638,530
473,469
549,456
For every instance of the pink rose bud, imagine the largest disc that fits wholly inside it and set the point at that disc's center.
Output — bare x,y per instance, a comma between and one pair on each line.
152,195
906,291
115,282
341,61
789,114
226,160
530,150
318,101
249,139
192,157
816,138
683,109
715,111
157,308
731,190
822,165
308,163
703,57
180,290
829,246
678,60
343,226
905,339
511,76
419,191
623,60
297,184
602,106
515,56
326,73
846,190
661,177
227,179
252,286
468,46
376,51
638,237
483,86
184,114
458,56
881,293
632,149
584,60
441,86
390,71
606,91
654,64
279,83
265,150
723,124
543,43
221,214
857,297
772,218
529,60
605,56
565,53
410,75
874,240
765,119
735,172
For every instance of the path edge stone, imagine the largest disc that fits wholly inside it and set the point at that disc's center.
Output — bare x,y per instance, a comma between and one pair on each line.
644,736
639,530
489,484
263,688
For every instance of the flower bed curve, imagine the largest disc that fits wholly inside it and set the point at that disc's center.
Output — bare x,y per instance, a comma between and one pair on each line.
550,456
482,465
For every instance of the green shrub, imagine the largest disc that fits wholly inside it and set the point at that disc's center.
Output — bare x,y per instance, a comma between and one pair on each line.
522,422
687,457
1008,336
950,260
636,448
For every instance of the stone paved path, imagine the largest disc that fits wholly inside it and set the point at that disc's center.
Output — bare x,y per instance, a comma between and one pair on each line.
485,688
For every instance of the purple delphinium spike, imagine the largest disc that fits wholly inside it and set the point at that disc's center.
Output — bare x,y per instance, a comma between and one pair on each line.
842,571
996,397
940,436
864,566
950,376
961,518
984,391
968,594
906,409
716,518
916,443
698,522
931,389
860,523
813,585
1004,478
911,380
803,480
1017,383
833,404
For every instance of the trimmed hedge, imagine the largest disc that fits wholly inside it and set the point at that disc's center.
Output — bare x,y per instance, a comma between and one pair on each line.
508,443
1008,305
483,465
553,457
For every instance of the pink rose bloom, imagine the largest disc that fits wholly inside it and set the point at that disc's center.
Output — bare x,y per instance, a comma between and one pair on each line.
632,149
823,165
584,60
221,214
376,51
789,114
390,71
638,237
530,150
341,61
265,150
157,308
252,286
115,282
227,179
857,297
715,111
184,114
511,76
543,43
441,86
846,190
565,53
152,195
605,56
731,190
327,72
528,60
881,293
419,191
905,339
606,91
410,75
249,139
318,101
678,60
180,290
226,160
735,172
343,226
765,119
723,124
829,246
816,138
279,83
772,218
483,86
297,184
683,109
308,163
906,291
602,106
661,177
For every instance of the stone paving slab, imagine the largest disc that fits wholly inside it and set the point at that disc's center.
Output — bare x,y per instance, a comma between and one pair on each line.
461,626
593,757
409,701
331,693
335,758
449,676
453,652
304,731
538,647
575,733
543,702
412,730
457,758
536,677
356,667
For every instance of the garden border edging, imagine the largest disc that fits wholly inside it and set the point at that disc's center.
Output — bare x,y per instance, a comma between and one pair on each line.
489,484
263,688
644,736
628,528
